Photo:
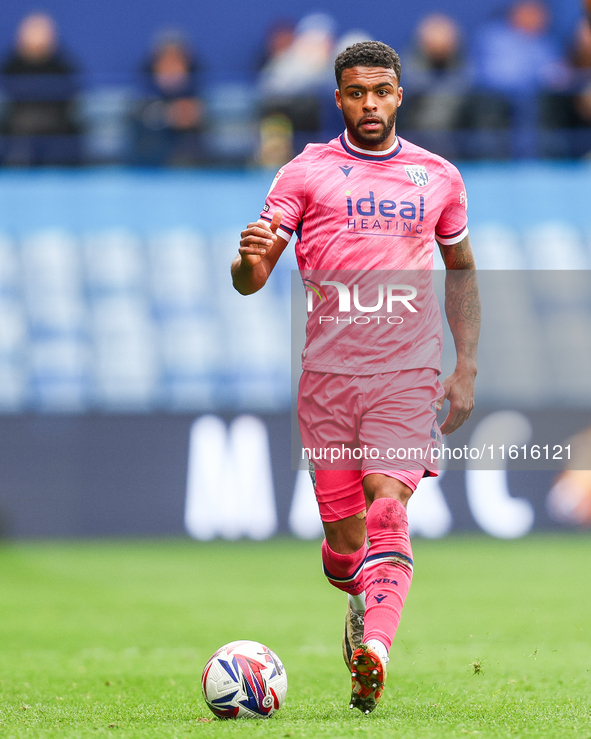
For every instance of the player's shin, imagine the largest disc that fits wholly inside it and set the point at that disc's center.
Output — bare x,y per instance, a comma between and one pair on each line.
388,570
344,571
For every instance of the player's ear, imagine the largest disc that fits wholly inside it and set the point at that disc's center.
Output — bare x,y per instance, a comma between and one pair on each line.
400,91
337,95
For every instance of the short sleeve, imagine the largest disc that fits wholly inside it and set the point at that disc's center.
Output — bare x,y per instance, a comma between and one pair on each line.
452,225
287,194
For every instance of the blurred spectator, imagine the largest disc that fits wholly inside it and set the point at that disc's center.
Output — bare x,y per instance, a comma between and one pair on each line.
519,54
279,38
349,38
436,82
566,114
295,82
516,59
39,81
275,141
169,120
580,57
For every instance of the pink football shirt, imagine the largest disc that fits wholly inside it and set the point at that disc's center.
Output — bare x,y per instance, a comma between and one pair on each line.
359,215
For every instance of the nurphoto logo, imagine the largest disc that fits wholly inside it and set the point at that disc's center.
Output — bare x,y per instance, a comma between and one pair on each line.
390,294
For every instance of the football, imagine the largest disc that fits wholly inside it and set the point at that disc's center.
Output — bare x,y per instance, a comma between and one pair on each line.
244,679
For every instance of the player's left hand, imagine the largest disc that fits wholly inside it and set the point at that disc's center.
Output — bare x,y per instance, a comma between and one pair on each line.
459,390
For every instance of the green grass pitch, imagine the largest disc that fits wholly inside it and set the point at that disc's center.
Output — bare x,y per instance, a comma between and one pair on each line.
108,639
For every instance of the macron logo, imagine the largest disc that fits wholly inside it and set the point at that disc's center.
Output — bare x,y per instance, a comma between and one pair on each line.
346,170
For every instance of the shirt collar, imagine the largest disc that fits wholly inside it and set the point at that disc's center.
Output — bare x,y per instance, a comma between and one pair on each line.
369,154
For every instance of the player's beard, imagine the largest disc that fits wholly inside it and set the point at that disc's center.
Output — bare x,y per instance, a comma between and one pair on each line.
372,139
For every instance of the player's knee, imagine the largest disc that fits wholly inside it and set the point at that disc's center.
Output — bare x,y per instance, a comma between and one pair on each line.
345,536
382,486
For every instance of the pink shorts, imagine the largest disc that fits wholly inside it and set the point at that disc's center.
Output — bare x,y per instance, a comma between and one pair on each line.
352,426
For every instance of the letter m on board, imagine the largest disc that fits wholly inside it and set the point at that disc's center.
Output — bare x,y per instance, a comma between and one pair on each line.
229,480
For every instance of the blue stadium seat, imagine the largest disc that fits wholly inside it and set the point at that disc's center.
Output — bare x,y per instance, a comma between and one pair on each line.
59,349
10,277
13,344
126,363
555,245
179,271
187,325
496,246
115,262
192,358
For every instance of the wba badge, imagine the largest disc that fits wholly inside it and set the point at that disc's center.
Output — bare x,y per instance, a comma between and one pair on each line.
417,174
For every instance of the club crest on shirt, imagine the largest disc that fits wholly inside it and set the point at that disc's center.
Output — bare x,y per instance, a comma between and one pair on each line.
417,174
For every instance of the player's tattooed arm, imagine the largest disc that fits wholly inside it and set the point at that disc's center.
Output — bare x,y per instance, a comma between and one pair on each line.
260,248
462,308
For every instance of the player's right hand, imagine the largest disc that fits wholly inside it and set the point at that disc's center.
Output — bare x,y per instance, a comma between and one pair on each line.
258,238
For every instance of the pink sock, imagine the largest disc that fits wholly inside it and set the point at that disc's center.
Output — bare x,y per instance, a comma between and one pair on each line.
388,569
344,571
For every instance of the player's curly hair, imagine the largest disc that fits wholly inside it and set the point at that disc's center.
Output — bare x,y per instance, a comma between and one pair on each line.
367,54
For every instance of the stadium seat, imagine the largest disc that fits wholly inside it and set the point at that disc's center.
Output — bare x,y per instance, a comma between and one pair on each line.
9,267
57,321
126,366
192,359
496,246
13,345
179,271
114,261
555,245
